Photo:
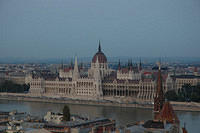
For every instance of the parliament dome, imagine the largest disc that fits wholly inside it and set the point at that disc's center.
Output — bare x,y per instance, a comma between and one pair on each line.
101,56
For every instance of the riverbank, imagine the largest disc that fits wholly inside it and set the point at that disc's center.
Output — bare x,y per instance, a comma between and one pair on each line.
178,106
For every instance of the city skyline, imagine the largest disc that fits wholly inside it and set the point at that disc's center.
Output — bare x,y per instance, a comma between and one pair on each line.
57,29
99,66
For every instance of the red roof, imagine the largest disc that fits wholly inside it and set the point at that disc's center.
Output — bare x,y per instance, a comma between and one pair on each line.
147,73
124,70
101,57
168,113
67,69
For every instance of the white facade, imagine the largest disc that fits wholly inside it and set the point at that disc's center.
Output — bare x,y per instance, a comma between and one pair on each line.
96,85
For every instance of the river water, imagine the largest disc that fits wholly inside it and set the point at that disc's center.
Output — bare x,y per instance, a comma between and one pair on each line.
122,115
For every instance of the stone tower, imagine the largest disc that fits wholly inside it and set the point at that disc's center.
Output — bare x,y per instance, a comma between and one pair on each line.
76,74
97,77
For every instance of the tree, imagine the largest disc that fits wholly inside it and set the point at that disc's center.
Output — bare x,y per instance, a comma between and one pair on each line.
66,113
10,86
171,95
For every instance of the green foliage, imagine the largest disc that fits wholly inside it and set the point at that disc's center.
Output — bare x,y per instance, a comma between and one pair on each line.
66,113
171,95
11,87
186,94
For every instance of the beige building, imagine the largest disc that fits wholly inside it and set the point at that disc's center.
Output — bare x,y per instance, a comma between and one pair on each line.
101,82
16,77
180,80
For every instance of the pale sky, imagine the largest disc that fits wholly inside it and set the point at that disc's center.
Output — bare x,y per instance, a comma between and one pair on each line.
134,28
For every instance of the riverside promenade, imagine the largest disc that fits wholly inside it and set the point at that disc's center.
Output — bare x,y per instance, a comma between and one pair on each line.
178,106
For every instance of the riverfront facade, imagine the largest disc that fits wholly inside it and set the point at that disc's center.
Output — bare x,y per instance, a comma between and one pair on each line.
130,82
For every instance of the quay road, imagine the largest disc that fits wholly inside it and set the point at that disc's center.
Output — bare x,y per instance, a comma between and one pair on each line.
178,106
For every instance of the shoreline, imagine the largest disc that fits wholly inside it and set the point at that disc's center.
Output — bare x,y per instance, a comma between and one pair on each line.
178,106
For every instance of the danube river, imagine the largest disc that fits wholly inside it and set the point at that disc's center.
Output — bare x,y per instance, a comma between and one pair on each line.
122,116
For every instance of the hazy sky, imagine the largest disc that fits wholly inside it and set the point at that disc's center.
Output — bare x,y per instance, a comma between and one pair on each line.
63,28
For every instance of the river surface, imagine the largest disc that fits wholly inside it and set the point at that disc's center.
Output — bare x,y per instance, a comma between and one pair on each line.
122,115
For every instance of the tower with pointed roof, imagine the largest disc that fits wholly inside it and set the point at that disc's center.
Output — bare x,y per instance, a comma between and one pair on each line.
102,63
129,72
140,66
119,66
159,96
99,46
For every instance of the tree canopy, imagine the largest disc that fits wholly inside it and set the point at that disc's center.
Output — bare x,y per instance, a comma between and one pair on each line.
186,94
10,86
66,113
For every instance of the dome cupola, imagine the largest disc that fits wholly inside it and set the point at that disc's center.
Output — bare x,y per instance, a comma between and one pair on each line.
100,56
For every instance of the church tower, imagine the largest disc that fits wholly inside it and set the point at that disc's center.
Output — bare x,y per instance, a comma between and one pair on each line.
159,97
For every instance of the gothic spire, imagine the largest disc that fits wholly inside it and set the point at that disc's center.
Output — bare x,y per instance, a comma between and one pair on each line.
159,97
99,46
159,91
62,66
131,65
71,64
119,66
140,65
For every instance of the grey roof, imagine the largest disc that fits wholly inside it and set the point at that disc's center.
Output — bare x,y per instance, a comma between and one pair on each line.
185,76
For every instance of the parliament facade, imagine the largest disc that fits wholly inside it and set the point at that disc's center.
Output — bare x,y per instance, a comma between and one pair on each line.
128,82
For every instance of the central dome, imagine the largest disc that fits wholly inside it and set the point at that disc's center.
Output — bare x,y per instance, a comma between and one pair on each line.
101,56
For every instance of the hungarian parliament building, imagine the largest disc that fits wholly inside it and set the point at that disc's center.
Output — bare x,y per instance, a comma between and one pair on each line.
99,82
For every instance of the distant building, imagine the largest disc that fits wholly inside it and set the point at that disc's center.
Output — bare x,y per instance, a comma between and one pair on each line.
180,80
101,82
165,119
16,77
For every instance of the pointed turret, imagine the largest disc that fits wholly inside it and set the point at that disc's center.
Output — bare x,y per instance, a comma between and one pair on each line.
99,49
130,65
140,65
76,71
71,64
119,66
159,97
62,66
159,91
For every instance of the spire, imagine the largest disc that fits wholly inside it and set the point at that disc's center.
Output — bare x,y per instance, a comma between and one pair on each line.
119,66
159,91
62,66
130,65
99,46
81,66
159,97
140,65
71,65
76,71
159,66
